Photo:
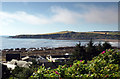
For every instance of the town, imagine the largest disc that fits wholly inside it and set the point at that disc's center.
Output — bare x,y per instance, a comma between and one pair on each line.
24,56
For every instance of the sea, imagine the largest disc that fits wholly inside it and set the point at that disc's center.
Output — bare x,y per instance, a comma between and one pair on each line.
8,43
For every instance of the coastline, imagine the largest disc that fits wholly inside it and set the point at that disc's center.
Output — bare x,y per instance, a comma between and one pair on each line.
109,40
76,40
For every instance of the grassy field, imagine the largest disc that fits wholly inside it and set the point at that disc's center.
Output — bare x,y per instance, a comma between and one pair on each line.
63,32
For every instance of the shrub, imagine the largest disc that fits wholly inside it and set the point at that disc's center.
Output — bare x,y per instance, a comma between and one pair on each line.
5,72
21,73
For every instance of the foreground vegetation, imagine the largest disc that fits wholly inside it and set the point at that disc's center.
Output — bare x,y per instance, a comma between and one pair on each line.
106,64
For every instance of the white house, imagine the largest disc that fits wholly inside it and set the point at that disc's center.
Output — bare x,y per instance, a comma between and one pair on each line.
41,59
13,63
58,58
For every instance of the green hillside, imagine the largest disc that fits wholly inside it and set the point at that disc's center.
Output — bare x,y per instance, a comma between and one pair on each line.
71,35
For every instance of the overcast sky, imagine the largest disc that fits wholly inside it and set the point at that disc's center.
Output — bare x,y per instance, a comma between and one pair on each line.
46,17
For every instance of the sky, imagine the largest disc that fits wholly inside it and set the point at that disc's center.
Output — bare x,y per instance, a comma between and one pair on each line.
47,17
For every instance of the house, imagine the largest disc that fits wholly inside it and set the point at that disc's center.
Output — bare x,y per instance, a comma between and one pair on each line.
13,63
41,59
10,66
25,58
60,58
38,59
31,49
9,57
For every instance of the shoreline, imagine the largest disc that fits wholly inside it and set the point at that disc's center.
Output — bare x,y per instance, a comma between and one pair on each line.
94,40
109,40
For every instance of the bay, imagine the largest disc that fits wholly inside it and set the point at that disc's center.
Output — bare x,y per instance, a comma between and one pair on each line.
7,43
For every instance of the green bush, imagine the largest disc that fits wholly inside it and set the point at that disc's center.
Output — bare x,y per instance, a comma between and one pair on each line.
106,64
21,73
5,72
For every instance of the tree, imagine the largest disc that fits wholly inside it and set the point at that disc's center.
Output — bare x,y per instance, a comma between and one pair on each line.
99,48
79,52
106,45
90,50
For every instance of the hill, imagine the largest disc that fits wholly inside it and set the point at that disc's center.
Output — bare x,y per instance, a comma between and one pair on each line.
71,35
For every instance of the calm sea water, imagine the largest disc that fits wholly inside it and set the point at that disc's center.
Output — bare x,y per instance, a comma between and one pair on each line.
7,43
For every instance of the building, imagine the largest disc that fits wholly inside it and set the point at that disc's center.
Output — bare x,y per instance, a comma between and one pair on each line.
58,58
13,63
9,57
